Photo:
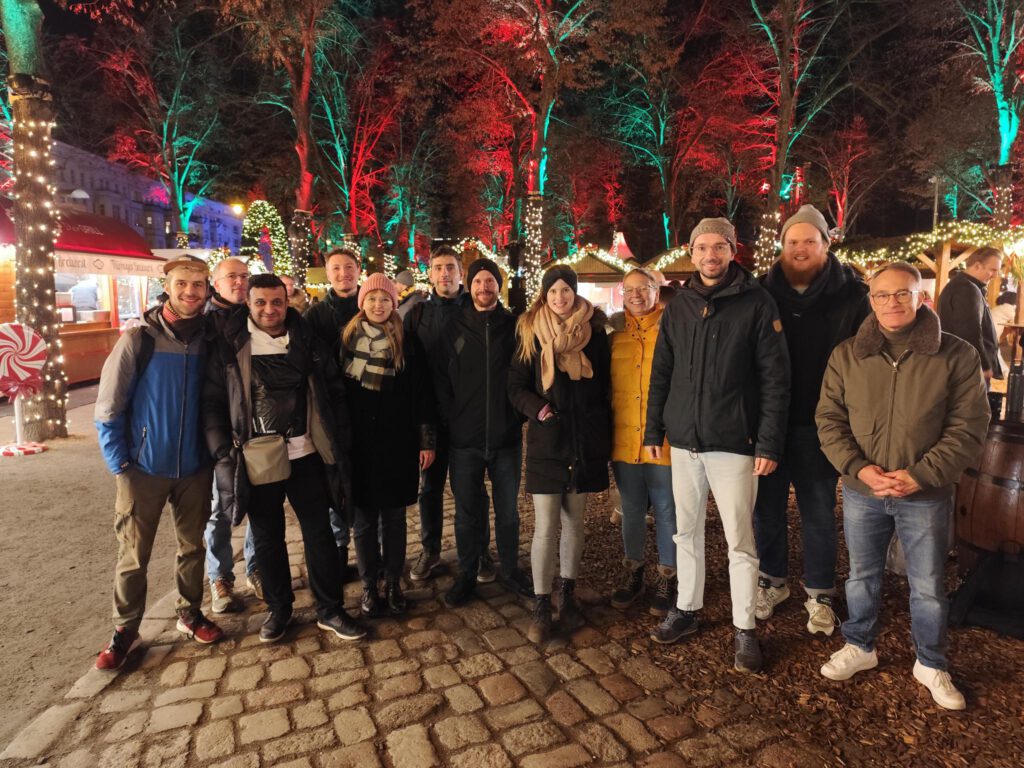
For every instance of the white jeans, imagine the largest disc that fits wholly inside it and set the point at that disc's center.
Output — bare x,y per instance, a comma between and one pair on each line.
731,478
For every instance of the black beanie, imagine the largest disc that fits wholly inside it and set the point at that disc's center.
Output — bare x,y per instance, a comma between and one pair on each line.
477,265
556,273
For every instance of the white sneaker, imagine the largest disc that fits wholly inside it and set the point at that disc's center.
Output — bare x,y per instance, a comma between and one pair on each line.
848,661
768,597
821,617
940,685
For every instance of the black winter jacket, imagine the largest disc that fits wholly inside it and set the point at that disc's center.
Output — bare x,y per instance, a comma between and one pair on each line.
963,311
720,377
570,452
329,317
227,410
472,360
390,427
815,321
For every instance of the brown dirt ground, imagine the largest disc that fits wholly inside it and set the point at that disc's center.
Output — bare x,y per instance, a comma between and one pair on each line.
57,554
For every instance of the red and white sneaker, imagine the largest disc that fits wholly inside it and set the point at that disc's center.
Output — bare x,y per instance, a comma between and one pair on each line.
116,653
198,627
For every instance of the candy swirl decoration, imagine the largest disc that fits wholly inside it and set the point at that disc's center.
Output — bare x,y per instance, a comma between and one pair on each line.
22,357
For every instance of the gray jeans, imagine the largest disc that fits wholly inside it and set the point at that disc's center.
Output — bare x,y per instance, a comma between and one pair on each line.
547,509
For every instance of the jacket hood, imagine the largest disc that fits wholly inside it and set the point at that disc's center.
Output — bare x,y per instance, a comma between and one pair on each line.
925,337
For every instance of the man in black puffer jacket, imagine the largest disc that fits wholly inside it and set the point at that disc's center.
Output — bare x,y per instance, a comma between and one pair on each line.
821,302
270,375
719,391
472,361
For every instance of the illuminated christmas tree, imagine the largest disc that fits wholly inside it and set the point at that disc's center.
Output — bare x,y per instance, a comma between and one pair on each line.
264,239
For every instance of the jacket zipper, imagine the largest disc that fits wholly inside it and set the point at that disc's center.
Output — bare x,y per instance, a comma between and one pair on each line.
142,444
487,386
702,334
892,402
184,401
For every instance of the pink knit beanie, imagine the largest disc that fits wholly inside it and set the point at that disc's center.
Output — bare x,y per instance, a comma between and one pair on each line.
377,281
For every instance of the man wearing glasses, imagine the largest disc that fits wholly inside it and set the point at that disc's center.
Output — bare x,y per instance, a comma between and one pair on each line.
902,412
719,392
230,288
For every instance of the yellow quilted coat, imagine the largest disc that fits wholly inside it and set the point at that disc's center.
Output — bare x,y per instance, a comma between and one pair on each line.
632,342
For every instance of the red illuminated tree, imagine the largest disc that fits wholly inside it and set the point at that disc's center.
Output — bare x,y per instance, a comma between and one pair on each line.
848,157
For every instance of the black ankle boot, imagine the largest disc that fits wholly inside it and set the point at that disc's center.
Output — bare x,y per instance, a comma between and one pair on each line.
371,605
397,604
569,616
540,627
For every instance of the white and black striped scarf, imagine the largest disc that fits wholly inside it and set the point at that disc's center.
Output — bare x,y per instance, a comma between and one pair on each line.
370,359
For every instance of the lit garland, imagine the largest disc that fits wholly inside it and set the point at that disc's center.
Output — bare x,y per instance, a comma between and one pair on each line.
262,215
34,301
767,246
533,229
967,232
467,243
390,266
598,253
668,257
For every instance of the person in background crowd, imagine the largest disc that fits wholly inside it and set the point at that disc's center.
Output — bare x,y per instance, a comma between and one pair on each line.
393,418
963,308
719,392
270,375
640,478
427,321
821,302
486,433
1003,314
230,289
559,381
297,297
152,442
328,318
408,296
903,411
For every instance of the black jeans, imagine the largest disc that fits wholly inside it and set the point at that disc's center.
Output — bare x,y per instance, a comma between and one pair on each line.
432,495
504,467
376,528
308,493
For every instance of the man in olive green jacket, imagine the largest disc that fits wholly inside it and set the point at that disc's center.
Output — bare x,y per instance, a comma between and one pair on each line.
903,411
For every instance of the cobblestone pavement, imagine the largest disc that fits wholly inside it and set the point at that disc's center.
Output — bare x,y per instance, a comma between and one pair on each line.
458,687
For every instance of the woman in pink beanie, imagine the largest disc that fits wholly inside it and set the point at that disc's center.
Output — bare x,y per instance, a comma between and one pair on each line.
392,408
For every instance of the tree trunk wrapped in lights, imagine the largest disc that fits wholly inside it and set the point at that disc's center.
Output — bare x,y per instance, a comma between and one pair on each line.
34,215
300,241
533,254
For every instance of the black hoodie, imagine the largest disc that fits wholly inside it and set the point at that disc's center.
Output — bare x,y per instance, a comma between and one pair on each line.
815,321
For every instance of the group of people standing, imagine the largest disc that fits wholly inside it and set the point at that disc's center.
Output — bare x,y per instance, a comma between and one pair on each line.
741,387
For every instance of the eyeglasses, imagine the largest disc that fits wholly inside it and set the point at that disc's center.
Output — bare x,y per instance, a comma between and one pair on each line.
718,248
902,297
638,291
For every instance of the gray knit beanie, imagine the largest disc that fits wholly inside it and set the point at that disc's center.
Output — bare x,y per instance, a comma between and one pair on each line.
808,214
719,226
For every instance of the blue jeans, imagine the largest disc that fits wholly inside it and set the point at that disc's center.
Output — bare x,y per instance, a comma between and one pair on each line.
220,558
467,467
637,484
814,480
923,530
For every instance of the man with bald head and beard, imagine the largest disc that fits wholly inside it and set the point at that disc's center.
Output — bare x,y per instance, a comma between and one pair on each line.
230,288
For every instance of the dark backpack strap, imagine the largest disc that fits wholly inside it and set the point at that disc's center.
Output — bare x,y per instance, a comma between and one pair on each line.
146,346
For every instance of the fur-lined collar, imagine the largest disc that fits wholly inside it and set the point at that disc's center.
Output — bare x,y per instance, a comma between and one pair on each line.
925,338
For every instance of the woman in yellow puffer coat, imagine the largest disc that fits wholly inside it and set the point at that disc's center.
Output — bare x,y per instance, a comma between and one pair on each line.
642,481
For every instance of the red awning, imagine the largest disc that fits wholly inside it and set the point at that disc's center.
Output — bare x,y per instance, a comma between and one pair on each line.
88,233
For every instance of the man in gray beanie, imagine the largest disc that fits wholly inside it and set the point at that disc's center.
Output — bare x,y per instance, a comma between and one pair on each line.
719,391
821,302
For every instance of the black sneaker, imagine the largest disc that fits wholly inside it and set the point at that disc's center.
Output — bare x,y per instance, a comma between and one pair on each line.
462,591
664,591
485,573
371,606
630,586
677,625
424,566
397,604
748,652
274,626
518,583
343,625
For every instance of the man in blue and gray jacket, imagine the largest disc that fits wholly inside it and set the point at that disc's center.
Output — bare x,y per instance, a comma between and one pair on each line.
148,420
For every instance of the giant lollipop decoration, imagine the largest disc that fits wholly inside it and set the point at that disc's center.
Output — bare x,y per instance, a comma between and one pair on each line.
22,357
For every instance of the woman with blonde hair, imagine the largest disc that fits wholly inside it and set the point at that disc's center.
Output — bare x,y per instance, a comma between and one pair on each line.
559,381
392,408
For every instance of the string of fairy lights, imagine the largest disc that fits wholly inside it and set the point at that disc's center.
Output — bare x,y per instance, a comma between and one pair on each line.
596,252
972,233
533,231
35,305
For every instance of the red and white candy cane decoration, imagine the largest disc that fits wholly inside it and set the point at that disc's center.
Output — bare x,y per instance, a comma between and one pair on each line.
22,357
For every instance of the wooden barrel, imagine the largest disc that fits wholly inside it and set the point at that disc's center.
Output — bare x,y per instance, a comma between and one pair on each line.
990,494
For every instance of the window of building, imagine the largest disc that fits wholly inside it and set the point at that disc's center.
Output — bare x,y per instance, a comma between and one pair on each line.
101,209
